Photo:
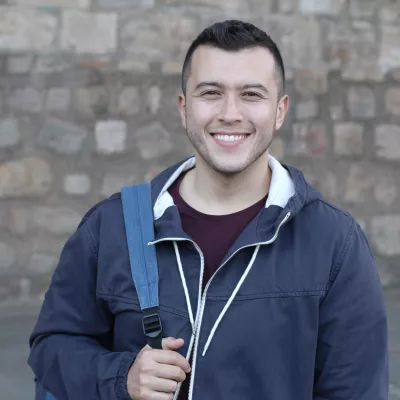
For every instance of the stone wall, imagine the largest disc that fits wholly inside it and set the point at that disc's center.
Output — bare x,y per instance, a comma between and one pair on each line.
88,94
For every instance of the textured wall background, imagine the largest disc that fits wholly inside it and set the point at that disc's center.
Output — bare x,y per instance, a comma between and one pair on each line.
88,92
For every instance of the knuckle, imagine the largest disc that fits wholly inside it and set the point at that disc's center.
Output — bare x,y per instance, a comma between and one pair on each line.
142,381
180,375
177,358
144,394
148,368
146,353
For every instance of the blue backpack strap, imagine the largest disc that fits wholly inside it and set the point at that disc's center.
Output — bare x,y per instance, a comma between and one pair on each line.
139,226
138,216
41,393
49,396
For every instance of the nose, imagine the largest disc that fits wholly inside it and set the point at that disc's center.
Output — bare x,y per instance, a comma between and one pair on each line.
230,110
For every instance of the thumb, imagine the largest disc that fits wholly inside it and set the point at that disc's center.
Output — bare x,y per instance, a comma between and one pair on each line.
171,343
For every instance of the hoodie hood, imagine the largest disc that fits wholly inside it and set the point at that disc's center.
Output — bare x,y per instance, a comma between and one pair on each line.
288,190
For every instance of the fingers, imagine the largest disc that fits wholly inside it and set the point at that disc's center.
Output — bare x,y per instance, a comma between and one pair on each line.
151,395
163,385
172,372
156,374
171,358
172,343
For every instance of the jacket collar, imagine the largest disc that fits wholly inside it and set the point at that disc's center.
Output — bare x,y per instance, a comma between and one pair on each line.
282,187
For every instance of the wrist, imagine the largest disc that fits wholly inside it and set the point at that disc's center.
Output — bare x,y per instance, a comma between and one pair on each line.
121,384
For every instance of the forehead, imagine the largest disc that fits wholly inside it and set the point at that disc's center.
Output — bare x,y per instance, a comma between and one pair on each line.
212,64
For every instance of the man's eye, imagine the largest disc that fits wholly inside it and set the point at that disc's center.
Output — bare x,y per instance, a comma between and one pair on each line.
210,93
252,94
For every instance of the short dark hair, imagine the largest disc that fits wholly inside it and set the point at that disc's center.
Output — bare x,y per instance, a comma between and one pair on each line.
234,35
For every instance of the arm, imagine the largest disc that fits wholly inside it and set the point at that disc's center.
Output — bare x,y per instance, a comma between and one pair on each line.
352,352
70,345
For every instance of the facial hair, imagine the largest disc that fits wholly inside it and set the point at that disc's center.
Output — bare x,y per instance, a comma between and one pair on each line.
203,152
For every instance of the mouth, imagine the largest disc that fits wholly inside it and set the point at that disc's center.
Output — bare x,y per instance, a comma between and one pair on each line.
229,139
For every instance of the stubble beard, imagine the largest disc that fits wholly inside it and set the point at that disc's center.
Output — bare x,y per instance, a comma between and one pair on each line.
202,151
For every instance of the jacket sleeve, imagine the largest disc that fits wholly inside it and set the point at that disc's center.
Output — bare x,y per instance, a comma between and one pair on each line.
352,350
71,343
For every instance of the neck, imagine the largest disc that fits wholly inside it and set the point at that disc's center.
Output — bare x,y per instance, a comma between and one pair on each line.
213,193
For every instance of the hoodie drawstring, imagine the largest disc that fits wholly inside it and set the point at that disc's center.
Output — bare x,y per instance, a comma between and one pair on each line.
185,288
233,295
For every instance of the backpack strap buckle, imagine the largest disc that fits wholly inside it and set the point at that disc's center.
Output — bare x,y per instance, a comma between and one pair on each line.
152,327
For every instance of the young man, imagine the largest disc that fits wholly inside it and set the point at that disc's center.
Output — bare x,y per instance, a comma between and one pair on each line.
266,290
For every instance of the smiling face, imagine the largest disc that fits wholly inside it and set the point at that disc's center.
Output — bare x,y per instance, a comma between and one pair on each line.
231,109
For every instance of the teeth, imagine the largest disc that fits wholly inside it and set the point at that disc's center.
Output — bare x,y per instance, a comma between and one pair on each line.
230,138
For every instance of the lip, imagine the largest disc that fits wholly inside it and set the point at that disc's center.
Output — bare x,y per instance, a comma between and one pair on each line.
230,133
230,144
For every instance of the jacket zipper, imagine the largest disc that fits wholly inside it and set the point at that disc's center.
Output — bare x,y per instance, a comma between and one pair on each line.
202,298
203,301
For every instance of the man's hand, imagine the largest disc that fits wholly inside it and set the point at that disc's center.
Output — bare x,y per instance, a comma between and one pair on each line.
155,374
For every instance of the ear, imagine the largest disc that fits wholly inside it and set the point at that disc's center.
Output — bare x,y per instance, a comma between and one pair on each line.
281,110
182,108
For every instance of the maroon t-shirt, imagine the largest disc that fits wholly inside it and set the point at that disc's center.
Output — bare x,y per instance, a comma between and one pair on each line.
215,234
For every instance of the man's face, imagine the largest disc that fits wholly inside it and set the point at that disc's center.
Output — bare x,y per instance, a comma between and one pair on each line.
231,108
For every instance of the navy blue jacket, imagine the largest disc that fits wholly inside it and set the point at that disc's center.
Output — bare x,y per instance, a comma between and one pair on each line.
295,310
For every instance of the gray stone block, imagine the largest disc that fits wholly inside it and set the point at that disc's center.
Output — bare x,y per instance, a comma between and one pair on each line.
387,141
349,139
101,38
363,8
386,191
62,137
129,101
310,139
358,185
322,7
392,101
9,133
26,29
153,141
18,220
83,4
77,184
25,177
307,109
8,256
19,64
118,4
41,263
91,101
58,99
362,103
154,99
389,58
29,100
385,234
309,83
111,137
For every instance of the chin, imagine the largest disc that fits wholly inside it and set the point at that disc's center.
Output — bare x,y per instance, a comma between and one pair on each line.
229,169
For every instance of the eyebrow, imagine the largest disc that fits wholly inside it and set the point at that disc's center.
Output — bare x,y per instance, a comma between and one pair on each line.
221,86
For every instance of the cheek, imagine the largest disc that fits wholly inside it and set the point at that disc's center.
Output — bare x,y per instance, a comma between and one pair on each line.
261,116
201,113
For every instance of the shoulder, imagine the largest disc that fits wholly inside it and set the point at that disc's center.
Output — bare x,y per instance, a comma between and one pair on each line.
324,214
110,207
103,219
327,227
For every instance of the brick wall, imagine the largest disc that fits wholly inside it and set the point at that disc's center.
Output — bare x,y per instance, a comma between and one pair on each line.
88,93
